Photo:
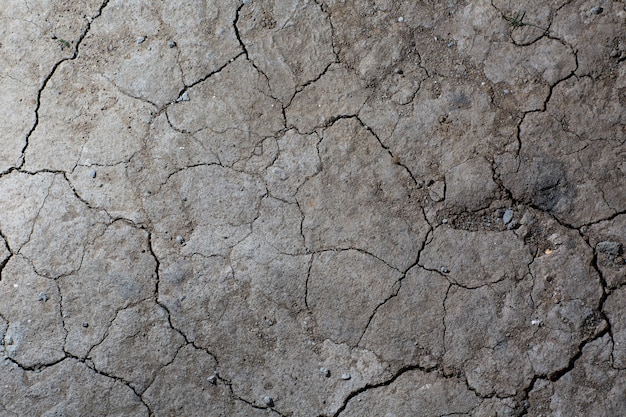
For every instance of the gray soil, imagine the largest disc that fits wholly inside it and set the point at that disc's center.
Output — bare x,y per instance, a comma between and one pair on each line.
312,208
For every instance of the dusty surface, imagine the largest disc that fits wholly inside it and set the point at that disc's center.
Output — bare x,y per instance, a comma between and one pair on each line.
312,208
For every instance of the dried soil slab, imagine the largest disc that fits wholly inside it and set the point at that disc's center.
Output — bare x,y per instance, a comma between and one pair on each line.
137,345
265,344
117,270
360,199
187,376
583,127
63,227
203,210
614,309
230,113
297,160
338,92
409,328
24,196
594,34
66,388
472,259
488,341
31,305
31,46
288,40
85,119
592,387
470,185
367,281
608,238
439,130
415,393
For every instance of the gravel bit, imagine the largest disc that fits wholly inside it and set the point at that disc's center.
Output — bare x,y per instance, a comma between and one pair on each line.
171,44
345,376
325,372
268,401
212,379
42,297
93,173
508,216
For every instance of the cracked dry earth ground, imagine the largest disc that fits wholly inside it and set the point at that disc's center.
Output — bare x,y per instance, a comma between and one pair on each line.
312,208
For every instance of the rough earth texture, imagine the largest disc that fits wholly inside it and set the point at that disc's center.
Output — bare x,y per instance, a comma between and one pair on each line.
312,208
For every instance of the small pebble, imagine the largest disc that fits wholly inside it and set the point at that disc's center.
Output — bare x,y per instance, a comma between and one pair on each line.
597,10
246,1
444,221
325,372
345,377
85,324
140,40
42,297
171,44
212,379
93,173
268,401
183,97
444,270
508,216
401,19
180,239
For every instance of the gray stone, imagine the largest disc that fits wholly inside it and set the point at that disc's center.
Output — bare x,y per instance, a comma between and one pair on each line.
507,216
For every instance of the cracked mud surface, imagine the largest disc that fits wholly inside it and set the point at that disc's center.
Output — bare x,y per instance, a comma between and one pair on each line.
313,208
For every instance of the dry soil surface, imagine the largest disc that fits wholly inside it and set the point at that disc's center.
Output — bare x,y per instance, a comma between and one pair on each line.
312,208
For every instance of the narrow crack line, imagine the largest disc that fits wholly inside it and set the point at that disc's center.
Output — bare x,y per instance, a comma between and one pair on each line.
89,364
306,283
38,366
385,383
386,148
45,83
303,86
207,76
246,53
394,294
229,384
162,305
